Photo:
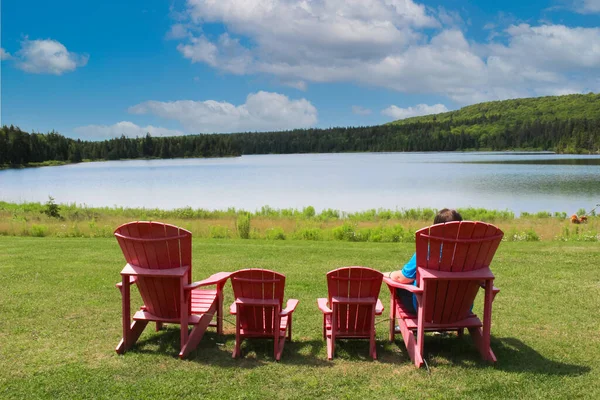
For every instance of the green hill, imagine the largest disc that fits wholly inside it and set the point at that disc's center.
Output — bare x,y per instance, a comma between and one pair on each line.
574,106
568,123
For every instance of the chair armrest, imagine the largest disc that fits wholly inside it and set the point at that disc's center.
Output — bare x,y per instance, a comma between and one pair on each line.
289,307
406,286
132,280
215,279
134,270
233,308
478,274
322,304
495,290
353,300
379,307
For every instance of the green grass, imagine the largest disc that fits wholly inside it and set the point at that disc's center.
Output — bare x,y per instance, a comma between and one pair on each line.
61,321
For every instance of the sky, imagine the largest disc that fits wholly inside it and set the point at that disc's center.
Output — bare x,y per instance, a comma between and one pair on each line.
97,70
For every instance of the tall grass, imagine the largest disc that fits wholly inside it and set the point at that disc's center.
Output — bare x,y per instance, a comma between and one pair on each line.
374,225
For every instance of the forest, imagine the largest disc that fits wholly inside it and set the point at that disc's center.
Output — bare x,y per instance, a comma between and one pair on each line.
564,124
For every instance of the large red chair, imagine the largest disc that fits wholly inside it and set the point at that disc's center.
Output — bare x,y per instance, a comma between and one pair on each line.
159,263
258,308
453,262
350,308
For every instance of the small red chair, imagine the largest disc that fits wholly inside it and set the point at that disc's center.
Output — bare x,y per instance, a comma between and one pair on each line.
350,308
453,262
159,263
258,308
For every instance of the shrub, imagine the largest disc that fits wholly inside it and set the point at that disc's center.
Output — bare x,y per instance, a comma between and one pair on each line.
344,232
275,234
52,209
308,234
243,225
308,212
218,232
38,230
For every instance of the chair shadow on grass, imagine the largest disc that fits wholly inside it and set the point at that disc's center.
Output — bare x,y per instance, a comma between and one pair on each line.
512,354
217,349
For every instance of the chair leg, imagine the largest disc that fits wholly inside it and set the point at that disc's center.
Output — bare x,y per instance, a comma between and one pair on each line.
392,318
134,332
372,343
330,347
486,353
159,326
238,338
276,338
196,335
373,346
220,310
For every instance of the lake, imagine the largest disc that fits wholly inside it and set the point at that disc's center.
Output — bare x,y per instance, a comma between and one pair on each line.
350,182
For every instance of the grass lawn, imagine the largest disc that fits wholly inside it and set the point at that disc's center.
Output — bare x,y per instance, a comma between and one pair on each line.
61,322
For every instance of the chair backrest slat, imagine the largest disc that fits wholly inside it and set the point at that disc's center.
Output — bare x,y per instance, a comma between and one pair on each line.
258,284
353,283
454,247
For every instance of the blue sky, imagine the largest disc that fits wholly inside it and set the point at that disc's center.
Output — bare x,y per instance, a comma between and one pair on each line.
95,70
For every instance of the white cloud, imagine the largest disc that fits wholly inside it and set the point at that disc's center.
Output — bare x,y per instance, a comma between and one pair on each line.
262,111
47,57
420,109
129,129
587,6
300,85
359,110
4,55
384,43
227,54
449,17
177,31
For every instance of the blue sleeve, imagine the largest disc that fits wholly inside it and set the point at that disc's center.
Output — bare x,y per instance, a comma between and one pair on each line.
410,268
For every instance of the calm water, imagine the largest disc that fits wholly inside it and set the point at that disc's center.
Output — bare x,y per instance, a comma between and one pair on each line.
349,182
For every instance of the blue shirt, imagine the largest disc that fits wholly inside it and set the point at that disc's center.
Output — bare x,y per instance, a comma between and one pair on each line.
410,271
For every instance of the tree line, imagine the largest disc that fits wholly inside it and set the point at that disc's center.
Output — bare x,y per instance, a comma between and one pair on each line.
564,136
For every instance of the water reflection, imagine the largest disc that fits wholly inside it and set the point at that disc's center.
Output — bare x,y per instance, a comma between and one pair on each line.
348,182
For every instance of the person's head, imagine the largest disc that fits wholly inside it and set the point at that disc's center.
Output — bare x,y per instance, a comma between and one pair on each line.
447,215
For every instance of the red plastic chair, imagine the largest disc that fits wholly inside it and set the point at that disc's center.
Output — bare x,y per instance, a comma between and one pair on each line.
453,262
159,263
258,308
350,309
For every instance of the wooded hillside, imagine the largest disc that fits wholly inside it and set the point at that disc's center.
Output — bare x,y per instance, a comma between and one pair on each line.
565,124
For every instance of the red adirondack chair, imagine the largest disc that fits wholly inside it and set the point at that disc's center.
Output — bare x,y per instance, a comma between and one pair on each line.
258,308
159,263
453,262
351,306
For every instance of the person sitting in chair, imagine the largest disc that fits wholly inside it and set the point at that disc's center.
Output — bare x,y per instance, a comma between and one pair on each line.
408,274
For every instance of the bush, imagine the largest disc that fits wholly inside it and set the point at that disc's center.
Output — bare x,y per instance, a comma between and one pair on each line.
275,234
218,232
243,225
38,230
308,212
52,209
308,234
344,232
